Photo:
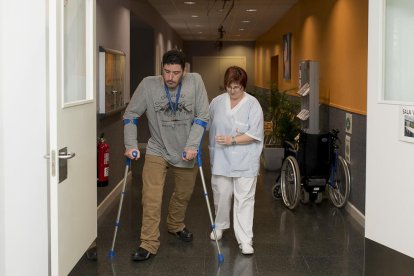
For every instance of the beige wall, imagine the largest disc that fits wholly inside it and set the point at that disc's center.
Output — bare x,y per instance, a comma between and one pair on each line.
230,48
333,32
212,70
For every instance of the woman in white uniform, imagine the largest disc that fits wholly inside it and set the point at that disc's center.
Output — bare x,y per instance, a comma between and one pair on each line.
235,143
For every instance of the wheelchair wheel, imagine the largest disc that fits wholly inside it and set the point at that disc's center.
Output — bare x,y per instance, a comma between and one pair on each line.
290,182
339,190
276,191
318,198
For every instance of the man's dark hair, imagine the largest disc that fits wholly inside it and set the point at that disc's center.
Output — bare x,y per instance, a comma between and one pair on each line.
174,57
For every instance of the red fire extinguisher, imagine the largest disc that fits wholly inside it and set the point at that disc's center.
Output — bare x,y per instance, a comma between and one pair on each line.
103,162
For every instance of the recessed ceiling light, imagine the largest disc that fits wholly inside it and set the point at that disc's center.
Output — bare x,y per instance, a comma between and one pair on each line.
194,16
246,21
189,2
251,10
241,29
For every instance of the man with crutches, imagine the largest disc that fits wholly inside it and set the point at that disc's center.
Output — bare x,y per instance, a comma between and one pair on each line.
171,102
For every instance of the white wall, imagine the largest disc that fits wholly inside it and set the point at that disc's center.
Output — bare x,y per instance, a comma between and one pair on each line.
23,179
112,31
389,218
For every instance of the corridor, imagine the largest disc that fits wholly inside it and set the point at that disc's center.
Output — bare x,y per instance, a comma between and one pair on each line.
312,240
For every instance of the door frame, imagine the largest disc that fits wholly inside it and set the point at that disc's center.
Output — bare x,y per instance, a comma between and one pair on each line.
23,138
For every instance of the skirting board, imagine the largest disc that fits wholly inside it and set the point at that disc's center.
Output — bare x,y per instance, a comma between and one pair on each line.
103,206
355,214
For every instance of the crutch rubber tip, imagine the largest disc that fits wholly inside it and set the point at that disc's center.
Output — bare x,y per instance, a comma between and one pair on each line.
220,258
111,254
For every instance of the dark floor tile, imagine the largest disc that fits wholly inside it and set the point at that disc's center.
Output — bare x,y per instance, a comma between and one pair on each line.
282,265
122,265
178,265
335,266
314,239
236,264
264,250
85,267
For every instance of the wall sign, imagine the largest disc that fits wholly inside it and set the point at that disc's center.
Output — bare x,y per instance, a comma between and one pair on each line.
407,123
286,55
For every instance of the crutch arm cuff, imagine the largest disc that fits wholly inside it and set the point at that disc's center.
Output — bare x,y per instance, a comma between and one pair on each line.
200,123
131,121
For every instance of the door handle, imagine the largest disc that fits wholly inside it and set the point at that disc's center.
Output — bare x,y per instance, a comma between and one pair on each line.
68,155
63,156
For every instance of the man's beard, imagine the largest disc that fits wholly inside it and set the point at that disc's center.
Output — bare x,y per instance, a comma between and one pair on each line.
173,84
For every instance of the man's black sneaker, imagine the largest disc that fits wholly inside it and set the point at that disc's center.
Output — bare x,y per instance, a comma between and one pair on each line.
140,254
184,235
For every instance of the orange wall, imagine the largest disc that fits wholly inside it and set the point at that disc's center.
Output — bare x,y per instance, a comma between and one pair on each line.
333,32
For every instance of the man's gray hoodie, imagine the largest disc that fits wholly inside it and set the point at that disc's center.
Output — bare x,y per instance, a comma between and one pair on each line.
171,131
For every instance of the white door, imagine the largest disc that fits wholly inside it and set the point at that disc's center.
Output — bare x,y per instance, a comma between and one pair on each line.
72,131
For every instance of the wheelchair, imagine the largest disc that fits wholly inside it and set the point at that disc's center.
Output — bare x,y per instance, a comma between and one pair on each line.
310,165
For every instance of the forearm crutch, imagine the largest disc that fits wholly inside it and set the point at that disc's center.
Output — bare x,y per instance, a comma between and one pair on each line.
111,253
199,162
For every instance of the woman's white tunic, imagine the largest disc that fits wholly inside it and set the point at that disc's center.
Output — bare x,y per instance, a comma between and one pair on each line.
245,118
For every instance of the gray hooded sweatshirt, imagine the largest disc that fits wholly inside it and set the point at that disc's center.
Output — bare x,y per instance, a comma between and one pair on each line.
171,131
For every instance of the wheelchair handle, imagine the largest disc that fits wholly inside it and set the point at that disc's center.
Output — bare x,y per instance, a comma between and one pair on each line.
335,132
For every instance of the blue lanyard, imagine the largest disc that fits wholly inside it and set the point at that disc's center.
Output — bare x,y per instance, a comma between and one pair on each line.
177,97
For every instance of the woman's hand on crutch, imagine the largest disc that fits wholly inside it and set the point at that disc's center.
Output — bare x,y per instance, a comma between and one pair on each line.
133,154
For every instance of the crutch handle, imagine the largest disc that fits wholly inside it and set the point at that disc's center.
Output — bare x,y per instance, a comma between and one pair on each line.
198,156
128,161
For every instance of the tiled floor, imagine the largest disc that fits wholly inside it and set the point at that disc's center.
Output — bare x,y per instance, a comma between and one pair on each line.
312,240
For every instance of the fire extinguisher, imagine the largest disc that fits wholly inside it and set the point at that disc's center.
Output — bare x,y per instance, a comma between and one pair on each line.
103,162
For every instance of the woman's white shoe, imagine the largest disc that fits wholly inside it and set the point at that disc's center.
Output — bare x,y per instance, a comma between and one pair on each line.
246,248
219,234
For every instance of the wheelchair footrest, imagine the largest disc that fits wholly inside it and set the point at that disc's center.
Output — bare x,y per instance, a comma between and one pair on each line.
315,185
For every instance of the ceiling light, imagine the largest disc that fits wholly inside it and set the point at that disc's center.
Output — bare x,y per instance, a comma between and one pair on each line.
189,2
194,16
251,10
241,29
246,21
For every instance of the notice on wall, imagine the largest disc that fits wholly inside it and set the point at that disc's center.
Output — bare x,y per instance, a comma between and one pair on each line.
348,123
348,149
407,124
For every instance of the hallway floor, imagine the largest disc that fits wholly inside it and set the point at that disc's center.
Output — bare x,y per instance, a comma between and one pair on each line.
311,240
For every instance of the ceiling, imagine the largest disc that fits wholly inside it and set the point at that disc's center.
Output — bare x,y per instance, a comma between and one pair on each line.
221,20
